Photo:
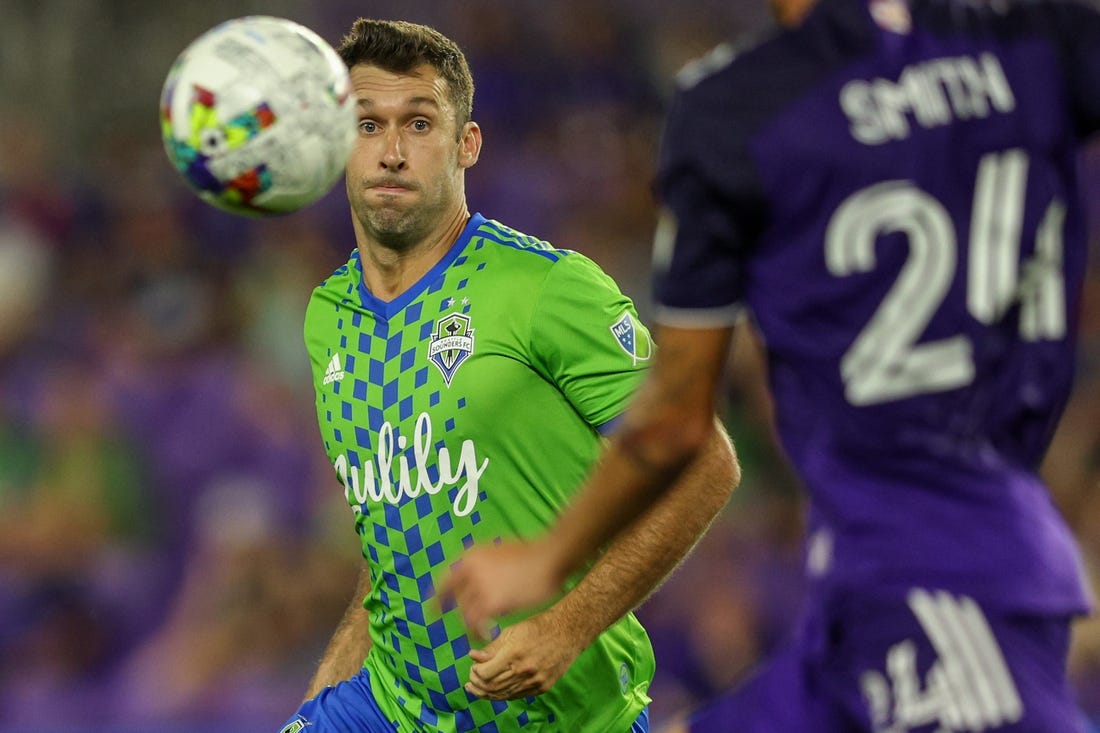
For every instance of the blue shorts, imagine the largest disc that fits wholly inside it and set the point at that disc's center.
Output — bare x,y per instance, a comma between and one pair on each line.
929,661
349,707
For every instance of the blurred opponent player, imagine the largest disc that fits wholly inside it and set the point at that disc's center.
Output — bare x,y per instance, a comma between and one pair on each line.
889,189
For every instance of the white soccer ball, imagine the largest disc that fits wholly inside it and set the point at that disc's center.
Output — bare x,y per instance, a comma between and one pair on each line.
258,116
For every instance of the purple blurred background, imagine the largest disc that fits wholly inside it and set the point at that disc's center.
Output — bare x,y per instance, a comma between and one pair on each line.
174,550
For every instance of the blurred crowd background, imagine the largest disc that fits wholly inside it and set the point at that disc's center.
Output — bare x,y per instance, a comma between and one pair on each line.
174,549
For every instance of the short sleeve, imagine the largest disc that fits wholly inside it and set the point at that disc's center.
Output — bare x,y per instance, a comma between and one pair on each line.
586,338
1079,26
712,206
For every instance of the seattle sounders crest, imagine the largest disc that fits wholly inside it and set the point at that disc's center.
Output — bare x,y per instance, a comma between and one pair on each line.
451,344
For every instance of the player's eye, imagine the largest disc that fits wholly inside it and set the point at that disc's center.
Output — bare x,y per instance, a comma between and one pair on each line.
421,125
368,127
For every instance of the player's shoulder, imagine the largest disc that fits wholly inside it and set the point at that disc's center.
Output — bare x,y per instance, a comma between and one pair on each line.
1005,19
526,249
341,284
343,274
732,70
749,79
523,258
535,265
746,81
961,10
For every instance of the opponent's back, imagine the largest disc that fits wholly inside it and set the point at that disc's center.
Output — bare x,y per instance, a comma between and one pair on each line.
891,189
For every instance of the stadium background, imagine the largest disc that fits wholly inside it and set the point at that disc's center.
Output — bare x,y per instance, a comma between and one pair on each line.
174,551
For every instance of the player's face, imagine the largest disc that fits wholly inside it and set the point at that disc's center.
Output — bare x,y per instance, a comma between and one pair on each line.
405,174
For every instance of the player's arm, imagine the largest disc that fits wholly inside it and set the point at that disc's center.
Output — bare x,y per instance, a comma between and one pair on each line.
344,655
529,657
668,427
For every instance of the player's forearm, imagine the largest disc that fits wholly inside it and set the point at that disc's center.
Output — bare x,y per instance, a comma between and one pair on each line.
642,556
344,655
667,428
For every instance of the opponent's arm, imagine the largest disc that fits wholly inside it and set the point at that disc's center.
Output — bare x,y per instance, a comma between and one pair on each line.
668,426
530,656
344,655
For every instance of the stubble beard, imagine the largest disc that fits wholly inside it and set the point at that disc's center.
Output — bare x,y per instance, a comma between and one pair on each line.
400,229
393,229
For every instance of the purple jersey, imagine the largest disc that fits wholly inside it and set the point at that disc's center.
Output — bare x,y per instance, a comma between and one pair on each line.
890,190
930,661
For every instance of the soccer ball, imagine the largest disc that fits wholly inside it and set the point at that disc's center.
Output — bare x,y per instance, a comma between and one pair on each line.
258,116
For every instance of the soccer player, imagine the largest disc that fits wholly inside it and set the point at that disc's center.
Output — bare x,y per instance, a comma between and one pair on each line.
888,187
464,373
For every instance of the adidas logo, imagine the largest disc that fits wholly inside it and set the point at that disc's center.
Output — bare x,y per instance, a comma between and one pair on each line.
968,689
334,372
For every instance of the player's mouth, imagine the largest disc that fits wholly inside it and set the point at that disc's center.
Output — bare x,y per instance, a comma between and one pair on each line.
389,187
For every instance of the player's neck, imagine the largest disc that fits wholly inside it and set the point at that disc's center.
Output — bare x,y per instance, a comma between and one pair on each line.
389,272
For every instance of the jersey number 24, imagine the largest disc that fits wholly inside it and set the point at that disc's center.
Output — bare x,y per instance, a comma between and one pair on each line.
885,362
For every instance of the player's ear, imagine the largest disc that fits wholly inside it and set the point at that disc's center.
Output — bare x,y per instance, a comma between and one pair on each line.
469,144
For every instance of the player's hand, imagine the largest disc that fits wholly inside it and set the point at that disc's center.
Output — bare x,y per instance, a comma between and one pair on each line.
491,581
528,658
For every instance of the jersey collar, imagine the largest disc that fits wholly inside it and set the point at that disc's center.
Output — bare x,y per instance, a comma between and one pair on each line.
387,310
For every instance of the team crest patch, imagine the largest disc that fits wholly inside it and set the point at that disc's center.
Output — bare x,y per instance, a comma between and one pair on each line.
295,726
451,344
632,337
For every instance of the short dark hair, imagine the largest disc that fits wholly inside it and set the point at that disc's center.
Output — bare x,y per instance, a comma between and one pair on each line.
399,46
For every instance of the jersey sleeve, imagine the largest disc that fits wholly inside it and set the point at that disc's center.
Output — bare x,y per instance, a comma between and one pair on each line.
711,206
1079,26
586,338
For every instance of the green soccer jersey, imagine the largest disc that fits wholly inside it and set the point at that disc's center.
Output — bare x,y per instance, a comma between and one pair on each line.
466,410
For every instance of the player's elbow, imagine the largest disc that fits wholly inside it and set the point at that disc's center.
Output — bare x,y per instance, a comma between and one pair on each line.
715,472
668,446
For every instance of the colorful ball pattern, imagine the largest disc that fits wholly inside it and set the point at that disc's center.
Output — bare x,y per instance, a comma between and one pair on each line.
258,116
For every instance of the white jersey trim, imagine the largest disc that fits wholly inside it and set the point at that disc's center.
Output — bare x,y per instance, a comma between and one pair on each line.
727,315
